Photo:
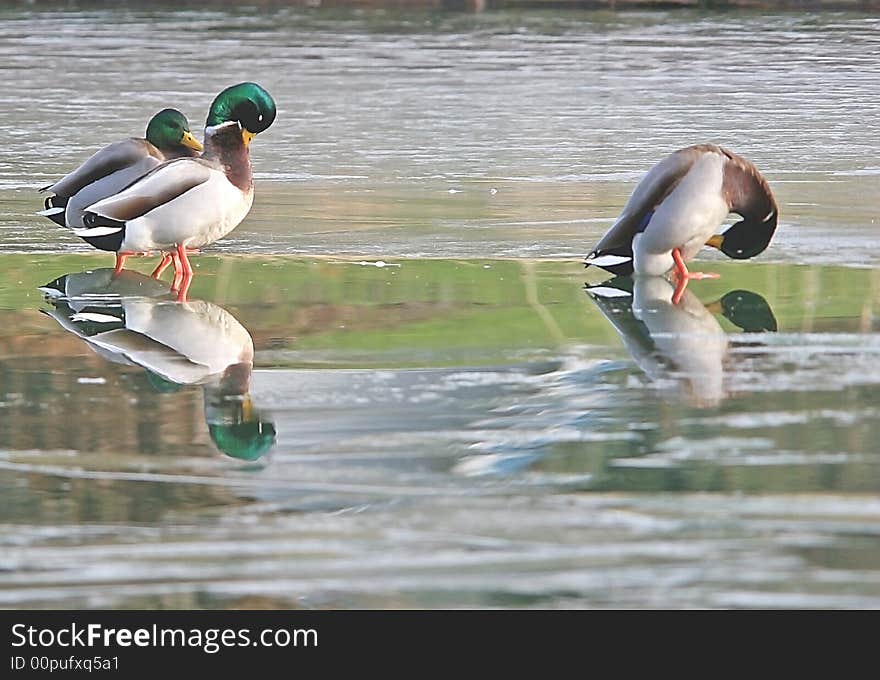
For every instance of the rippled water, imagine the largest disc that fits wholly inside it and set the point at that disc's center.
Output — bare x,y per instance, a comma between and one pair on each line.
442,410
393,130
446,433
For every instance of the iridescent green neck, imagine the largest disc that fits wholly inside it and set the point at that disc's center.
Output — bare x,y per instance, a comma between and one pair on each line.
247,103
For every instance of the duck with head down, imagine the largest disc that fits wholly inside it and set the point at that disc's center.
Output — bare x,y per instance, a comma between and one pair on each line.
117,165
679,206
188,203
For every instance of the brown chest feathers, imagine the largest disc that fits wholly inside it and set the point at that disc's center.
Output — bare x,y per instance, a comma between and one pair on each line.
225,146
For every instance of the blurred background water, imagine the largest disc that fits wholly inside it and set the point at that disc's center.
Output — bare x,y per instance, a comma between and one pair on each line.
439,414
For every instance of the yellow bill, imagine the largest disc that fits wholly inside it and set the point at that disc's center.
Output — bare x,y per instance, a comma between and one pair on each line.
716,241
191,142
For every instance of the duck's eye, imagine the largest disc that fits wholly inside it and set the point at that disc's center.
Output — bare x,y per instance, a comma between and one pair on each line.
260,118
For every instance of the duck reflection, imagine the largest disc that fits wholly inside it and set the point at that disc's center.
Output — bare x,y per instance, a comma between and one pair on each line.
132,319
679,339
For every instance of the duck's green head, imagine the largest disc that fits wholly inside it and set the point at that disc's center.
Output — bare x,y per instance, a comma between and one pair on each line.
747,238
247,103
244,432
169,130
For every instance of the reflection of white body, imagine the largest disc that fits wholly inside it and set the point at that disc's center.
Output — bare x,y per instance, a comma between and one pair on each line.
686,334
184,342
667,340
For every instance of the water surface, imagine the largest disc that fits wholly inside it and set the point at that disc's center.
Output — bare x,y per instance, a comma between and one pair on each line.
411,392
394,130
453,433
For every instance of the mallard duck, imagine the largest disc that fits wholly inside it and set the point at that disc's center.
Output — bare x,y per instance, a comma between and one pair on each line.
188,203
190,343
677,208
117,165
679,339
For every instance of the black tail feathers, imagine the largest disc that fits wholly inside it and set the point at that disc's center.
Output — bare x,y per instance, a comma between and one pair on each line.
92,220
102,232
56,205
618,261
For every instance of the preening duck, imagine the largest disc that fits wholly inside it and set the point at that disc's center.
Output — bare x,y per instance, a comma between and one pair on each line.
117,165
188,203
678,207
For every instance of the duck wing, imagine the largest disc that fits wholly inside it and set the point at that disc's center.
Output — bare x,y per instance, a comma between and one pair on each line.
143,351
108,160
159,186
202,332
75,206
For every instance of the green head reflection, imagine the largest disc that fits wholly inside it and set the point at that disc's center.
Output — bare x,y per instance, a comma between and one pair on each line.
245,441
131,320
237,428
676,336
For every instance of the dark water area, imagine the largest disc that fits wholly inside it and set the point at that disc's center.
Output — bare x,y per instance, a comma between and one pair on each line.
394,385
